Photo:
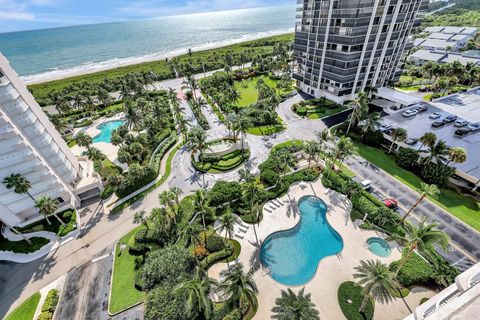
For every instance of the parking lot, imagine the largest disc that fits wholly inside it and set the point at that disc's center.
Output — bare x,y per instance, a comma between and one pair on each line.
419,124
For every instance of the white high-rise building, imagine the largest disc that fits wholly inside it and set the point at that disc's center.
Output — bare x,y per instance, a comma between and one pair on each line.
31,146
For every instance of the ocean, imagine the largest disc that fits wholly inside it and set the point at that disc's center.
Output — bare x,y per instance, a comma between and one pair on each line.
51,53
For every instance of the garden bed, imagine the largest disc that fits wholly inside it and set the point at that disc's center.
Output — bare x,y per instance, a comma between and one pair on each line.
224,163
317,108
69,217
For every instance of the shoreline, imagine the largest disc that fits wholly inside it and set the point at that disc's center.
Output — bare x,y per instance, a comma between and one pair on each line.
85,69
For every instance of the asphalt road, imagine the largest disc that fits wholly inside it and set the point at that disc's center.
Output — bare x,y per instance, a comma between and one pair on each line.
461,235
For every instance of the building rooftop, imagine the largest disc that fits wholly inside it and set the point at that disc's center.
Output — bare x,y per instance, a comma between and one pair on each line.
460,37
437,43
427,55
463,60
469,30
464,105
440,35
453,30
433,29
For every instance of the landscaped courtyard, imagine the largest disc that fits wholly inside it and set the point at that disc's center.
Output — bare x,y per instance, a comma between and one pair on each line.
249,93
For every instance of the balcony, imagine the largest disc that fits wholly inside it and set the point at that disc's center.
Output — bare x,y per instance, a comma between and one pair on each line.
8,93
16,106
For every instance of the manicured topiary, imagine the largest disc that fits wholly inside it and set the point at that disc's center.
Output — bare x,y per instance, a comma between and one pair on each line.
215,243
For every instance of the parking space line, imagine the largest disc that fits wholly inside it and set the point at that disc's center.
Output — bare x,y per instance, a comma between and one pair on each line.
101,258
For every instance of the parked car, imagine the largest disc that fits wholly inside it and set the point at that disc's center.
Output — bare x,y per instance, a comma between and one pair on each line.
386,128
474,127
390,203
423,89
422,108
438,124
460,123
411,141
410,113
450,119
462,132
435,115
366,184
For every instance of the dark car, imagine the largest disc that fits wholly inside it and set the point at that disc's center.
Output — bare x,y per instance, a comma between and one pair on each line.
438,124
411,141
424,89
462,132
450,119
422,108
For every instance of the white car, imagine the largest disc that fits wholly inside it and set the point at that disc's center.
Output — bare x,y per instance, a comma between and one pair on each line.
366,184
410,113
435,115
460,123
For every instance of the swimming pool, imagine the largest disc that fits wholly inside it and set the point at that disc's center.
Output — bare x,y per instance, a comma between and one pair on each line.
379,247
106,129
292,256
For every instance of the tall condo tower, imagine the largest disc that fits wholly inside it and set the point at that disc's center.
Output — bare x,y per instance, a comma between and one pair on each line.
31,146
342,46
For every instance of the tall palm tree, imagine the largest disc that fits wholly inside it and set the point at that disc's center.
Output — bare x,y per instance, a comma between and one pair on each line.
426,190
197,290
200,204
18,183
192,234
93,154
377,282
456,155
428,139
398,134
243,124
132,116
141,217
227,224
237,283
176,192
370,123
47,206
343,149
311,148
422,238
167,198
438,151
83,140
291,306
359,109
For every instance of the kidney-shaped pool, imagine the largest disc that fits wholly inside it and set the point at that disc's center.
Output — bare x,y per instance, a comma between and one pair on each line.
292,256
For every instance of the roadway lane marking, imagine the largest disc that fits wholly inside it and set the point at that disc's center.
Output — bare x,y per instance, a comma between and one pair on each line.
101,258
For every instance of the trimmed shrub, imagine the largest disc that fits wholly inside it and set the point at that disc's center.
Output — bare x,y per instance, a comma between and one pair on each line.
350,291
374,139
215,243
269,177
407,158
49,306
223,192
415,271
435,173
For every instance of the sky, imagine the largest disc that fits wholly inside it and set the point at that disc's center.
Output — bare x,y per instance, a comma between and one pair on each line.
16,15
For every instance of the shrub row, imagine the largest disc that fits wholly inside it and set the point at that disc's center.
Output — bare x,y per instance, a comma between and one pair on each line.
49,306
69,217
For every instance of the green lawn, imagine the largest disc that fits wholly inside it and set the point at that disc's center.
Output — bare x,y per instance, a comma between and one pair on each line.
26,310
350,291
462,207
248,92
123,291
268,130
325,112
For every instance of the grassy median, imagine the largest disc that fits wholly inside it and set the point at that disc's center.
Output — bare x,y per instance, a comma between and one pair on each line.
26,310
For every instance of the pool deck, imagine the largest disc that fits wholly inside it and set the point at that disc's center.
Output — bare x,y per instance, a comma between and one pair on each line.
107,149
332,270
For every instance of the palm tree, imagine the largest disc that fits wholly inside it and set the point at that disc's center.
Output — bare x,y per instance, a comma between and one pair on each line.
236,283
377,282
192,233
456,155
132,116
18,183
438,151
398,134
343,149
197,290
311,148
227,224
167,198
423,238
93,154
200,204
47,206
176,192
140,217
428,139
429,190
370,123
242,124
83,140
291,306
360,108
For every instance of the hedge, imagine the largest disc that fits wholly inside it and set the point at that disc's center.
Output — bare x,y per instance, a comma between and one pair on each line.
215,257
350,291
49,305
415,271
69,217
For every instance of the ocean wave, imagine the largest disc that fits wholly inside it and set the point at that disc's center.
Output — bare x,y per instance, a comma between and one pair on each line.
91,67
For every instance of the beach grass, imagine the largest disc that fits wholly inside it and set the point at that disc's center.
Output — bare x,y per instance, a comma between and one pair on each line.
212,59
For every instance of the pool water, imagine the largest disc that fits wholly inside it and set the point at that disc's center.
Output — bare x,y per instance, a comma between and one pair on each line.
292,256
106,129
379,247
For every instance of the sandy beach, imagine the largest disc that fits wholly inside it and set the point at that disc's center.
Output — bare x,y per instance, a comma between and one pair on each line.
89,68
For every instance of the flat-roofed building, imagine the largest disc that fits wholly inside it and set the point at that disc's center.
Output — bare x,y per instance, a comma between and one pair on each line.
343,46
31,146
